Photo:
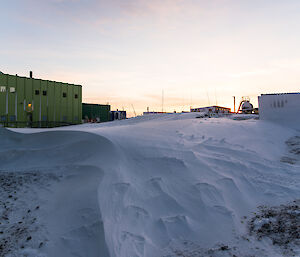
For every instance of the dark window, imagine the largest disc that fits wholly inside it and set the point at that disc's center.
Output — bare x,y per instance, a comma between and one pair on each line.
76,96
44,92
37,92
3,118
64,118
12,118
64,94
44,118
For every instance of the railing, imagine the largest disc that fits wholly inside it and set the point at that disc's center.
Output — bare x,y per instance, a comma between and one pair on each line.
34,124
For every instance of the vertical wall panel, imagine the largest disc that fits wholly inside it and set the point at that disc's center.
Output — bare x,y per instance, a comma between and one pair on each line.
70,99
28,90
58,97
44,100
51,101
3,83
64,102
76,117
80,103
28,94
11,83
36,100
20,100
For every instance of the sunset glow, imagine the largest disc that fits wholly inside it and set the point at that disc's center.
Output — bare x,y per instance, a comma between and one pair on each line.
127,52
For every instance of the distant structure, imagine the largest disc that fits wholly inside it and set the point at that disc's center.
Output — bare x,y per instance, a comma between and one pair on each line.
95,112
147,113
29,102
118,115
212,109
245,106
280,108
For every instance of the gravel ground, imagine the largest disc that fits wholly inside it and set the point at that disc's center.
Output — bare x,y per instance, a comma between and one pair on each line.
21,228
281,224
275,227
293,156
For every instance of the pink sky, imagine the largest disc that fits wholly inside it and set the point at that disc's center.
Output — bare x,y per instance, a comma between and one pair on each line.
126,52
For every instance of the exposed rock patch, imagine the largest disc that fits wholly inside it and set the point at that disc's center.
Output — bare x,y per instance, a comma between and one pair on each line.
20,225
281,224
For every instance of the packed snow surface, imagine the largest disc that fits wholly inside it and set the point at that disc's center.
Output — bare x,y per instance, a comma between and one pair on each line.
159,185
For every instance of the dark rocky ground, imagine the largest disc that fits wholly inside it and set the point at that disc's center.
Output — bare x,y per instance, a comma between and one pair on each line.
21,228
277,226
293,155
281,224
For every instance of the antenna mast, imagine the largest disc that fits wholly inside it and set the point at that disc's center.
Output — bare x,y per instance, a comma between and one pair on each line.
133,110
162,101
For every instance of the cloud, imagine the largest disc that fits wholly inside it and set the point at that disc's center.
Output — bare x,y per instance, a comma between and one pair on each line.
252,73
103,12
288,64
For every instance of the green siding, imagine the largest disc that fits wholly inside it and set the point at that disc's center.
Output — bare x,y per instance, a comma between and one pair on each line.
80,105
11,83
70,100
3,95
94,111
44,100
58,97
46,97
20,94
36,100
51,101
64,103
76,107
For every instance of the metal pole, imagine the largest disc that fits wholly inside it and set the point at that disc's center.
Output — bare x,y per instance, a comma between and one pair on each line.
234,103
162,101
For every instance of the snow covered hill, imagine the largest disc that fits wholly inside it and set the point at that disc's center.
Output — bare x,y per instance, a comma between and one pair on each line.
153,186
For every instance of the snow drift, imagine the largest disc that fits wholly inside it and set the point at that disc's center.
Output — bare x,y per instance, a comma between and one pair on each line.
150,186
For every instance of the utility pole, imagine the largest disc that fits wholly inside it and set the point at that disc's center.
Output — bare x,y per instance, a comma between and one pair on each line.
162,101
234,103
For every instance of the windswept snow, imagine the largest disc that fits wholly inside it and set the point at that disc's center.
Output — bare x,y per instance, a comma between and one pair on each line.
153,186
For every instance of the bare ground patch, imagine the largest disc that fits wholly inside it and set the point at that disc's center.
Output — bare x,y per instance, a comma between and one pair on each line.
281,224
293,156
20,225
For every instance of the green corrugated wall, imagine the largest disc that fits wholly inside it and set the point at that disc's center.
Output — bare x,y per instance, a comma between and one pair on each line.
93,111
53,102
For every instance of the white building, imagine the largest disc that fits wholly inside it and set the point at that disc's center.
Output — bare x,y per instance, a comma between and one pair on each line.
211,109
281,108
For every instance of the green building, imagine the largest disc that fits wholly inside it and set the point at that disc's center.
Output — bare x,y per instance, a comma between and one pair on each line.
29,102
95,112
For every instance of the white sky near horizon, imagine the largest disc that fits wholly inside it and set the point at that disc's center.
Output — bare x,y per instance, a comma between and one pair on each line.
125,52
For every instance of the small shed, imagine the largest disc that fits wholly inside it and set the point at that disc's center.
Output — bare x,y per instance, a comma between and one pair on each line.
95,112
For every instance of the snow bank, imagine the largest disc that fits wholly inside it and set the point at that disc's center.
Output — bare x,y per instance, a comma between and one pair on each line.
68,221
151,184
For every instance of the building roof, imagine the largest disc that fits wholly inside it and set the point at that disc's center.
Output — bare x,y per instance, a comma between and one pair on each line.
1,73
213,106
296,93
